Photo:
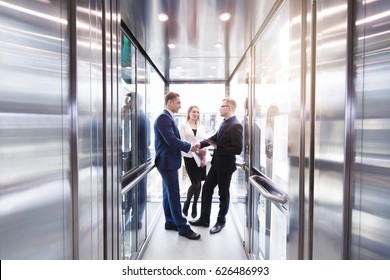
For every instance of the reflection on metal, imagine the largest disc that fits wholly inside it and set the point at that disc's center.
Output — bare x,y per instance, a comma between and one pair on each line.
136,180
194,27
266,187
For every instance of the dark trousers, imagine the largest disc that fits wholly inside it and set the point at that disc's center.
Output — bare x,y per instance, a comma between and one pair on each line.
221,178
171,200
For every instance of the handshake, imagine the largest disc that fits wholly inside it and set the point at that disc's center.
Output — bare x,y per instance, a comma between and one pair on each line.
195,147
199,154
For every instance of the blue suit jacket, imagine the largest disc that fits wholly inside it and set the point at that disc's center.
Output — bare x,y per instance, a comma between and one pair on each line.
167,143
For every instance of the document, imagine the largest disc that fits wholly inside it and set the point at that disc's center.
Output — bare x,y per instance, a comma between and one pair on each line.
197,158
210,142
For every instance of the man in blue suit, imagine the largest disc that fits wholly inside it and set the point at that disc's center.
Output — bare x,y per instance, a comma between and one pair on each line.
168,147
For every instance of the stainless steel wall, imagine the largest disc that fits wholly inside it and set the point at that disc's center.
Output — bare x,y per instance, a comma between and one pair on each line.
35,190
58,129
59,189
329,132
88,120
370,178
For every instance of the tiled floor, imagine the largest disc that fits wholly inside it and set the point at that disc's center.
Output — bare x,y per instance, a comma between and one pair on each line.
168,245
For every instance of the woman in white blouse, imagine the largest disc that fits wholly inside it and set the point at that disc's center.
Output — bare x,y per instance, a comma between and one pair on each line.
193,131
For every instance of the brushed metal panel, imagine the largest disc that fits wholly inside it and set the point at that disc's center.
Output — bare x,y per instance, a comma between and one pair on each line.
89,125
111,129
34,185
296,131
330,90
370,236
194,27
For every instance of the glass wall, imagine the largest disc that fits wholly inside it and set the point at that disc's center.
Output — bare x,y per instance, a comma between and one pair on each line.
271,108
127,93
153,107
141,100
239,88
208,97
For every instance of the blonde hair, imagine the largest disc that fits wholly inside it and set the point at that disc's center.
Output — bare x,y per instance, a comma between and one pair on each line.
232,103
189,110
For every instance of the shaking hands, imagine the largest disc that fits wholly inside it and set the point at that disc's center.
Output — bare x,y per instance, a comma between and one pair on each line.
195,147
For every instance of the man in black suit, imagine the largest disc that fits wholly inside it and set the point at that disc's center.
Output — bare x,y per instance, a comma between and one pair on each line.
227,143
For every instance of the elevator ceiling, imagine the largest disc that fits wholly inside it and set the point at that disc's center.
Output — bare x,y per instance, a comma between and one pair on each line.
194,44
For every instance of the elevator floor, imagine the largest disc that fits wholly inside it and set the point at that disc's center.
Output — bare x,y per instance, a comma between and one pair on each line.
169,245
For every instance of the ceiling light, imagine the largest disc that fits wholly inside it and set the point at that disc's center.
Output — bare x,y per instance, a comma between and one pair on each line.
224,16
171,46
163,17
218,45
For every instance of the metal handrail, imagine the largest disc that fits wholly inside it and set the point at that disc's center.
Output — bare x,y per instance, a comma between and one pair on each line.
256,181
136,180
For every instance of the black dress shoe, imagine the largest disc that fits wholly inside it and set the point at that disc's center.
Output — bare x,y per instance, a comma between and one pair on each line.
194,213
217,228
200,223
169,226
190,234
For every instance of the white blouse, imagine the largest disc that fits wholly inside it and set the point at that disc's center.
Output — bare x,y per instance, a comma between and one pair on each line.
187,134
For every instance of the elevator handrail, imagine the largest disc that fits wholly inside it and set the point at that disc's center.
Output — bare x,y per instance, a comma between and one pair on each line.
280,198
136,180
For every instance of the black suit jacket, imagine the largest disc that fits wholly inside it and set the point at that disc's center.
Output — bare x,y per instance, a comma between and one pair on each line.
229,144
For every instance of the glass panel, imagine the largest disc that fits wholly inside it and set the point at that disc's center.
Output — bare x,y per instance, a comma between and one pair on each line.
154,102
127,104
143,101
207,97
154,196
260,232
271,109
140,208
269,229
129,220
239,90
272,101
142,141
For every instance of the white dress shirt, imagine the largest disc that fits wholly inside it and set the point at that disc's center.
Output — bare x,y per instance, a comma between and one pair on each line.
187,134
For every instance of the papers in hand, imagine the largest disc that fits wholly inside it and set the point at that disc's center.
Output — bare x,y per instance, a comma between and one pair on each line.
197,158
210,142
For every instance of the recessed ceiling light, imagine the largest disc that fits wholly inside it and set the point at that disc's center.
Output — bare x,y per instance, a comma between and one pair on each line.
163,17
218,45
224,16
171,46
